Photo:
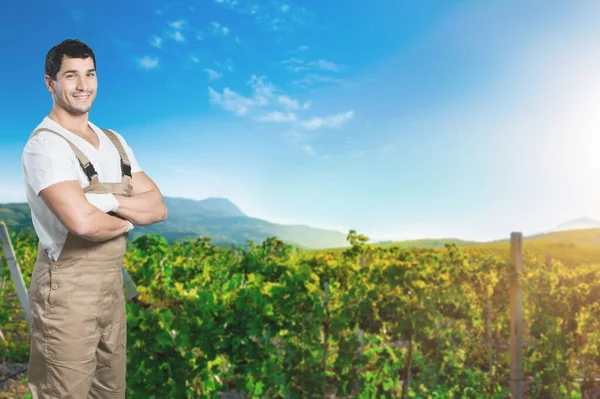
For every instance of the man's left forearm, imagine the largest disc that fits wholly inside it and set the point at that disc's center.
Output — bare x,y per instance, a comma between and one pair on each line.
142,209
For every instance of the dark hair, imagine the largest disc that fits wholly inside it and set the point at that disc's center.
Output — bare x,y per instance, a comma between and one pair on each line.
71,48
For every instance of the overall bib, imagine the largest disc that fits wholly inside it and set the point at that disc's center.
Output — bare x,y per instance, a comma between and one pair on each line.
79,328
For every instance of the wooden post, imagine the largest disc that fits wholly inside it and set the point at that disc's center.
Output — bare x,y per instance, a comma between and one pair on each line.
361,334
130,288
325,328
488,329
361,339
516,318
15,272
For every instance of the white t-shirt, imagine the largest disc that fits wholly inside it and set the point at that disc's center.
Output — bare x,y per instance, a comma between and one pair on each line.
48,159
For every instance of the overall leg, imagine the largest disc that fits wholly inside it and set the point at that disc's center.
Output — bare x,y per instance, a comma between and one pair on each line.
110,379
64,335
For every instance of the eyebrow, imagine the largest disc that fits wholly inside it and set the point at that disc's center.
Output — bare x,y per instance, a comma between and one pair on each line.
74,71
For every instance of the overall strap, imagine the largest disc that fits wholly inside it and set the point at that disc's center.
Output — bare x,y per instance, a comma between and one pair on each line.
125,164
85,163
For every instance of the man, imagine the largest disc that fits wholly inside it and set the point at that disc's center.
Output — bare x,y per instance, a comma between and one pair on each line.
86,191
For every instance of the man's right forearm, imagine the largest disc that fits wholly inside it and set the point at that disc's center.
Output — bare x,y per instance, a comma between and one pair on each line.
99,226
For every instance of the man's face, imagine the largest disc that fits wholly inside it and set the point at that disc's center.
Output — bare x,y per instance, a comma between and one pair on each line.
75,86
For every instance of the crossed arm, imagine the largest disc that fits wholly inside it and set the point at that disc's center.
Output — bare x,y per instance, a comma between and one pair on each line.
69,203
145,204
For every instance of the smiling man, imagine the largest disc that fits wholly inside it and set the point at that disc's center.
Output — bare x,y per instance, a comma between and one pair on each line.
86,191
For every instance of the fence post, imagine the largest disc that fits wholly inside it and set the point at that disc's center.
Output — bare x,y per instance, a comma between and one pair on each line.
516,317
15,272
130,288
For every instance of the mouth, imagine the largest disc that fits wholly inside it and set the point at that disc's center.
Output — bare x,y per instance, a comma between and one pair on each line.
82,97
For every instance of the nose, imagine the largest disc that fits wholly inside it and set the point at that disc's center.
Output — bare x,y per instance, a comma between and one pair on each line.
82,83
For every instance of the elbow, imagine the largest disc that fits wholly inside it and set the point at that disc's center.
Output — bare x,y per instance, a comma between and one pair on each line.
163,213
159,215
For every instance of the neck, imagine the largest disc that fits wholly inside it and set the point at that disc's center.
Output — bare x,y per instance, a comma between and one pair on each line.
74,123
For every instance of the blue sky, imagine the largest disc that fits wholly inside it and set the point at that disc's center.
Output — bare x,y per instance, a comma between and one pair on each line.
399,119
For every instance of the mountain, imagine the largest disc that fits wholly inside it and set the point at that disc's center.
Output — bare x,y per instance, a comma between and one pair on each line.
217,218
580,231
210,207
576,224
425,243
16,216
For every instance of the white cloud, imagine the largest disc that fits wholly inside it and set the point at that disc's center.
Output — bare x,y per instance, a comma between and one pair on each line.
308,149
176,28
288,102
227,64
297,65
272,15
313,78
299,140
156,41
148,62
217,28
329,121
178,36
195,59
326,65
263,90
178,24
294,136
232,101
268,104
212,74
277,116
303,48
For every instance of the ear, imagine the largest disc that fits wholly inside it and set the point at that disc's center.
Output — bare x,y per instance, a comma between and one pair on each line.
48,80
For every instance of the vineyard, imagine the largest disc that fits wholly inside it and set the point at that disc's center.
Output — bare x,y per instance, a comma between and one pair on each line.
271,321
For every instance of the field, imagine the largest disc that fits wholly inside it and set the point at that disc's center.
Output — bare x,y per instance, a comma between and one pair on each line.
421,320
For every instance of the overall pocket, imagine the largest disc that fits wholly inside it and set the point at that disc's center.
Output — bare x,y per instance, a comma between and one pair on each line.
61,285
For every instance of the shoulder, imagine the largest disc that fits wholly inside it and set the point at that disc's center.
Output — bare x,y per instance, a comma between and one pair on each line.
47,142
105,130
119,135
122,139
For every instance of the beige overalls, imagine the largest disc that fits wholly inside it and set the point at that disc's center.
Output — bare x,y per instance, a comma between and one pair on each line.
78,337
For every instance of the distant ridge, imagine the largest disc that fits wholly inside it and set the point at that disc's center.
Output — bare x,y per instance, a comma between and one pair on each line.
217,218
225,223
576,224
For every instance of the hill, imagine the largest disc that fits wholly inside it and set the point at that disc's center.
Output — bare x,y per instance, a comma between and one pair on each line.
570,246
576,224
217,218
424,243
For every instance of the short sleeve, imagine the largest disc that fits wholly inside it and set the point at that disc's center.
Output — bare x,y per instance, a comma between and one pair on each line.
46,160
135,166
